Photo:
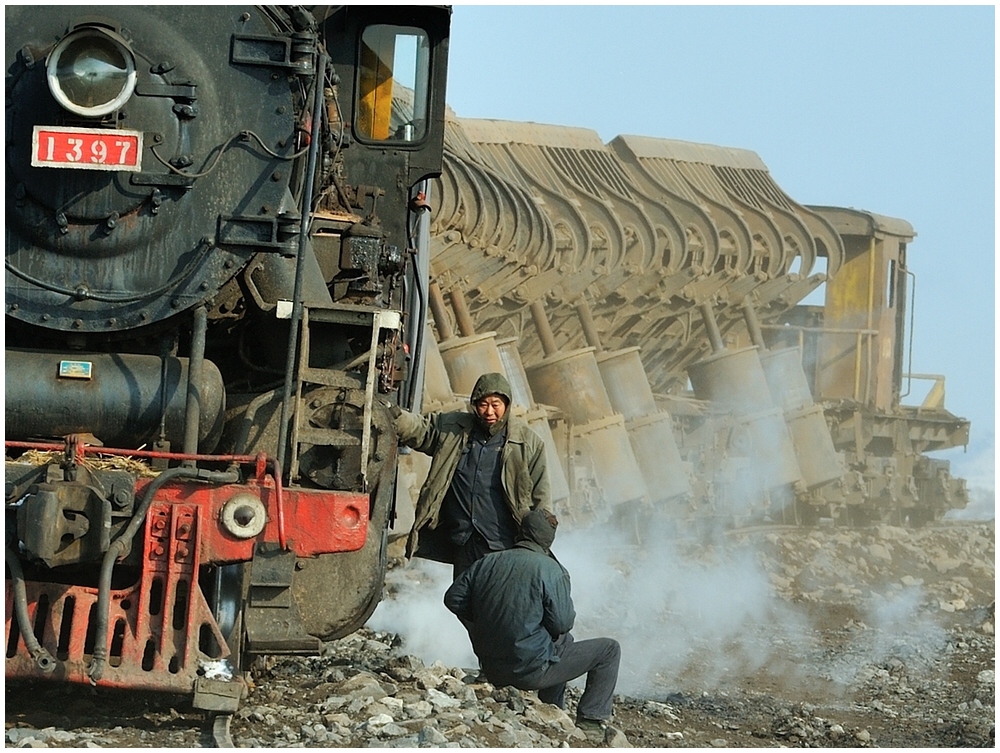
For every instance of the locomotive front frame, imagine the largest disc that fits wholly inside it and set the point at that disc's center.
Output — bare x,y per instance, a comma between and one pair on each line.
200,322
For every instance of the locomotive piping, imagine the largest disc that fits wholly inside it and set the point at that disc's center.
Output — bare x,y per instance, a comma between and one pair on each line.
248,419
42,657
293,333
197,360
117,548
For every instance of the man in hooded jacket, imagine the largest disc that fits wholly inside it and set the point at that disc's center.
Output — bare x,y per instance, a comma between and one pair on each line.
487,470
517,607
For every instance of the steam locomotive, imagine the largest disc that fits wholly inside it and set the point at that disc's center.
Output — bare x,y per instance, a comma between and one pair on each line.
216,265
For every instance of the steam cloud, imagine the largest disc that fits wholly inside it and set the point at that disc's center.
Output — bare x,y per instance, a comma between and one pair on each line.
692,615
692,610
979,470
416,612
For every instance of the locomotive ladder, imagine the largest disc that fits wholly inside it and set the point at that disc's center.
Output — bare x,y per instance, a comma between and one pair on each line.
303,433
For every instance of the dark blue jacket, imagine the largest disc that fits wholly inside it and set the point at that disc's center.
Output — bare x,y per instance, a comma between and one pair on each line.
517,604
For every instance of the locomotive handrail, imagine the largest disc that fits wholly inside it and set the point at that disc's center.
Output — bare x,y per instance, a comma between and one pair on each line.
89,449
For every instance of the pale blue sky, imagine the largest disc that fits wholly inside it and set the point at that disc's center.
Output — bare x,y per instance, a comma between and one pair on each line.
888,109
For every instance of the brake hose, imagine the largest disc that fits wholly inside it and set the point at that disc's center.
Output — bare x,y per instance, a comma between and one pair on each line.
42,657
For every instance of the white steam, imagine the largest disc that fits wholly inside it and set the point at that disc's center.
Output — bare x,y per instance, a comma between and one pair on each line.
979,470
415,611
685,614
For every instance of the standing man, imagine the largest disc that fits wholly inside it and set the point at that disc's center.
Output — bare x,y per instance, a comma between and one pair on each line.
517,607
487,471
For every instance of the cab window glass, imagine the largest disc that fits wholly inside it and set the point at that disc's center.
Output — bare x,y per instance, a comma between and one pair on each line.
393,83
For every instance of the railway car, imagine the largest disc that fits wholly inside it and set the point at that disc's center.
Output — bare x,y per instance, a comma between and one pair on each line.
215,270
690,341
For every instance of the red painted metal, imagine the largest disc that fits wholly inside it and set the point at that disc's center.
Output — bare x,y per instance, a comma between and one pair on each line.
315,521
155,625
161,628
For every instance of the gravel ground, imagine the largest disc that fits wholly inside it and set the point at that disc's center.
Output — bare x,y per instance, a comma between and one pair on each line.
880,637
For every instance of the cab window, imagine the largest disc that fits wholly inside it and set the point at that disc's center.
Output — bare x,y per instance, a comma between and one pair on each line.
393,84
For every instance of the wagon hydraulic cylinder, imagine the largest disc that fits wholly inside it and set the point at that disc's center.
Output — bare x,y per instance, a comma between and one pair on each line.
465,326
544,329
436,300
589,327
753,326
711,327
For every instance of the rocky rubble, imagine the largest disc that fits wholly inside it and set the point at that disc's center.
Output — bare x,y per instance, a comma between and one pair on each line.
363,693
845,676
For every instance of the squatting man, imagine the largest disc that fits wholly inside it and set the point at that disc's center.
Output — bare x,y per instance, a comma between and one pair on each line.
517,607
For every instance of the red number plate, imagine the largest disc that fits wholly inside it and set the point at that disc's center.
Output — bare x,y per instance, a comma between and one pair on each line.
86,148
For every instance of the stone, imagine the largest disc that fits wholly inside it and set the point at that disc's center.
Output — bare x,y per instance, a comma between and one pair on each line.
945,564
428,678
440,700
518,738
378,708
337,720
863,736
719,742
880,552
362,685
410,741
547,714
660,710
459,730
418,710
430,736
378,720
615,738
892,533
986,677
393,730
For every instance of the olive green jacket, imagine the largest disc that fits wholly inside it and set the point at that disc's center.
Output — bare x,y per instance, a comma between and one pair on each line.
443,436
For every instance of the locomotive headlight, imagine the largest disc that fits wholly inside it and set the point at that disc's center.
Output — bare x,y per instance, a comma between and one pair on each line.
91,72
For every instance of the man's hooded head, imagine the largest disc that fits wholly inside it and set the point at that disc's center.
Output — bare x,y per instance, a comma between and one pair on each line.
538,527
490,400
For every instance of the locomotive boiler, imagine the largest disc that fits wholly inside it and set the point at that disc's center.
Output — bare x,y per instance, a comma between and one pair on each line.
216,264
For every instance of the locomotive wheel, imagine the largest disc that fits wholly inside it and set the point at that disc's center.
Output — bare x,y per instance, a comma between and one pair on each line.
232,588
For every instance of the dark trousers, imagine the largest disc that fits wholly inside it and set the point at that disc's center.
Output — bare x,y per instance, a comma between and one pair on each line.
597,657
